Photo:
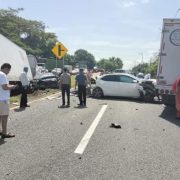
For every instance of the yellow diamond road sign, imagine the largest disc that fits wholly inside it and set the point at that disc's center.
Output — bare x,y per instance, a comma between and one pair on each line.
59,50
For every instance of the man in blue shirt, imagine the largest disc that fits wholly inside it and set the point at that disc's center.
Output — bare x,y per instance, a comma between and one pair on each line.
81,81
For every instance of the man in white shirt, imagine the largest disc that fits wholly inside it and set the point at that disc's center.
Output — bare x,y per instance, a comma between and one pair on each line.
25,83
5,88
65,84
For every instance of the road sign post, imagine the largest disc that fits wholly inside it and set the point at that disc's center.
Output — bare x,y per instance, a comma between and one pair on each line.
59,50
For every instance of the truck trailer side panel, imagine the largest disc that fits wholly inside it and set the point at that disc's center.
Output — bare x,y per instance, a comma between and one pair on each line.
169,65
16,56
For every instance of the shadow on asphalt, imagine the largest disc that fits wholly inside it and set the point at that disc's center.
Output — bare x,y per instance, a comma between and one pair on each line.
80,107
169,114
19,109
107,98
2,141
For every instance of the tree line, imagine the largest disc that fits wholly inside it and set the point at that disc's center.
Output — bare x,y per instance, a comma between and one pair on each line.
31,36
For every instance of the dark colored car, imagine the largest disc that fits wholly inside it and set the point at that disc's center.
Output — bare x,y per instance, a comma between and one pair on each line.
46,82
18,89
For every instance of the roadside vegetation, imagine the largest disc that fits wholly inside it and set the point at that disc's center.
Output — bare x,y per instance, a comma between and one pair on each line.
31,36
150,67
14,99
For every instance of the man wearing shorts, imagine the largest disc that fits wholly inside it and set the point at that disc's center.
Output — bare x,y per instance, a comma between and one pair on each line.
5,88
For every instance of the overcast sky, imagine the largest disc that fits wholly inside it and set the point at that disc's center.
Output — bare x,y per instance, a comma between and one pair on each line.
128,29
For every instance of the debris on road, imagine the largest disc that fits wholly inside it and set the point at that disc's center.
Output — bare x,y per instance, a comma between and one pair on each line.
50,98
114,125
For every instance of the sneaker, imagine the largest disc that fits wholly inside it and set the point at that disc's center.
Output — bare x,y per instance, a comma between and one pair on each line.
9,135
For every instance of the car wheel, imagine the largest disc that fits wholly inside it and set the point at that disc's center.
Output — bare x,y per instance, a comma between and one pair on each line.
98,93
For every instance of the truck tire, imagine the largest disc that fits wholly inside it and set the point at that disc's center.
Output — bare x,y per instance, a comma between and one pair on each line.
168,100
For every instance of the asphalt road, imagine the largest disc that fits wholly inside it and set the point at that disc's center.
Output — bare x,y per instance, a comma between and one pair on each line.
49,146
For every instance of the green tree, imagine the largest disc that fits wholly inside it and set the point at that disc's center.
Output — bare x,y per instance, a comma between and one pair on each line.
153,66
117,63
110,64
148,67
82,56
69,59
28,34
142,67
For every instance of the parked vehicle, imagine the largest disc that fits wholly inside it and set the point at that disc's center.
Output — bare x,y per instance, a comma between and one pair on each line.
48,80
140,75
75,71
168,68
33,64
119,84
57,71
16,56
69,68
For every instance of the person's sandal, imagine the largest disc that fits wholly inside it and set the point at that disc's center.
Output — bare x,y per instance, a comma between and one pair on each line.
9,135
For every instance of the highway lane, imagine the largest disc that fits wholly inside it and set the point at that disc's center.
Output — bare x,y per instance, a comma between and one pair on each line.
146,147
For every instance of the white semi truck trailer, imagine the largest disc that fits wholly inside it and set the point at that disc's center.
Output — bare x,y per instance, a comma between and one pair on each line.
16,56
169,64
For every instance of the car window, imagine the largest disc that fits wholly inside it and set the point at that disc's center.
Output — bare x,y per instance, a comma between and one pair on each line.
126,79
114,78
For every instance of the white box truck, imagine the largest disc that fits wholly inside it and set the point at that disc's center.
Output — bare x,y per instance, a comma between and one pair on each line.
169,64
16,56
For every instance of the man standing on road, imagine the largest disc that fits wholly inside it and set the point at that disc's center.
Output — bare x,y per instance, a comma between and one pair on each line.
65,84
81,81
5,88
25,84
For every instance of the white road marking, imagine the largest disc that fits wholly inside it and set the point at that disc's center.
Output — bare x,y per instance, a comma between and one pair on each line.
49,96
84,141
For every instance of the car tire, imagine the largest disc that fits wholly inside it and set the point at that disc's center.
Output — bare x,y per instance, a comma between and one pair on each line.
97,93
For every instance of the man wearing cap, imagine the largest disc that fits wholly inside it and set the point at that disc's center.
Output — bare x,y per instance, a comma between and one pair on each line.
81,81
65,85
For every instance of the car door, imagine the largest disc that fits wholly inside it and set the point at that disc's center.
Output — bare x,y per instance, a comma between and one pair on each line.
128,86
108,84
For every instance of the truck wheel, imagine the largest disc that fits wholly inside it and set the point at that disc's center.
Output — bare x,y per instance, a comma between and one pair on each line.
168,100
